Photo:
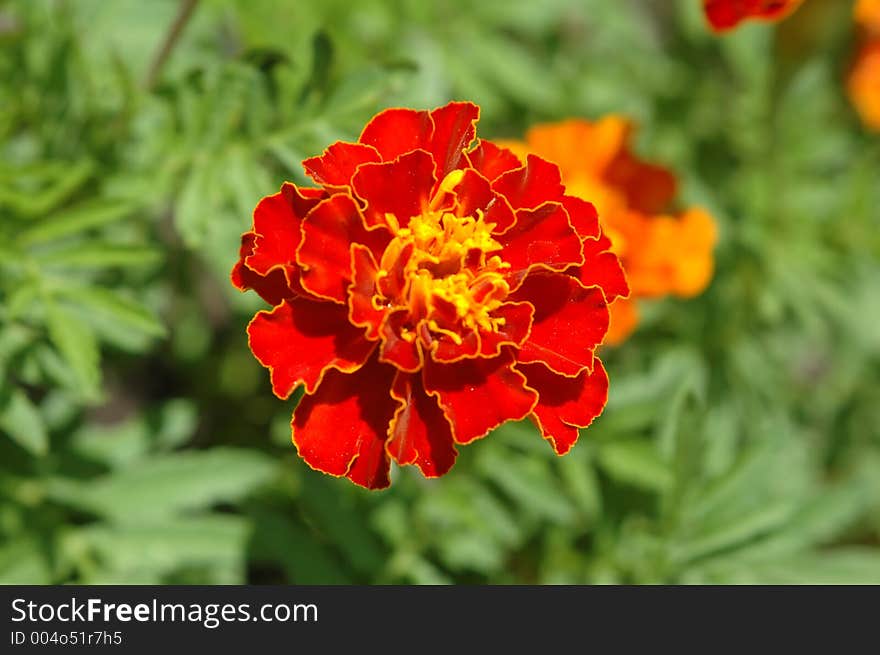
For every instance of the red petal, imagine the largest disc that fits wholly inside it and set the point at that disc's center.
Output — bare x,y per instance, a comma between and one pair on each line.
531,186
727,14
583,217
491,160
570,321
273,288
603,268
403,353
478,395
400,187
342,429
394,132
444,349
648,188
361,292
420,432
566,404
454,130
328,233
300,339
336,166
517,326
543,237
474,193
277,220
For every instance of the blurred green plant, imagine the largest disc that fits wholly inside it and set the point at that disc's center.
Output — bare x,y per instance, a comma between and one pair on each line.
140,440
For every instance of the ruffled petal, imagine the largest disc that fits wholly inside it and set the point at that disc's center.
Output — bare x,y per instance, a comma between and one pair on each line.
362,312
420,432
401,187
273,288
342,429
444,349
517,326
324,254
570,321
394,132
565,403
583,217
543,238
336,166
492,161
532,185
301,339
603,268
475,194
455,126
405,354
478,395
277,221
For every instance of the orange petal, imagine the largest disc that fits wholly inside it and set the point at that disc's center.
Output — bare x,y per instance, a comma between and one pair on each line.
863,84
624,317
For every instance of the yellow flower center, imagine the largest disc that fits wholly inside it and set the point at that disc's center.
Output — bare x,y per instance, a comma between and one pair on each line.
448,271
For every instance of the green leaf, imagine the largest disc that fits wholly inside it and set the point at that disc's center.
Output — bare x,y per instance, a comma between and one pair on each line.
529,482
580,480
22,421
635,462
100,255
78,219
305,558
149,550
22,562
77,345
163,485
112,305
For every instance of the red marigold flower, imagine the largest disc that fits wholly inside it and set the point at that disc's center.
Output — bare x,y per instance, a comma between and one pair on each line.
661,253
424,293
724,15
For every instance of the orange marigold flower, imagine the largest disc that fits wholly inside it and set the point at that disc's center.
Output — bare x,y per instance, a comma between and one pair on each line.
724,15
863,83
661,253
424,293
867,14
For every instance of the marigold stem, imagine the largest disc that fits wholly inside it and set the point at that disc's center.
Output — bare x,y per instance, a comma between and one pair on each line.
184,13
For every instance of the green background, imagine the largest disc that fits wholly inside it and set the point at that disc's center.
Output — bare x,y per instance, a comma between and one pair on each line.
141,442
